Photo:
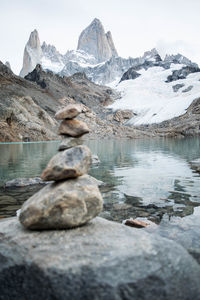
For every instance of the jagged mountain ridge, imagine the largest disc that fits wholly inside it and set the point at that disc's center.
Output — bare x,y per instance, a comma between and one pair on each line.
94,41
96,56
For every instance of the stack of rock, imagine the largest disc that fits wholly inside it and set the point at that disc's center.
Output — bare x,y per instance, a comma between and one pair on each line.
73,198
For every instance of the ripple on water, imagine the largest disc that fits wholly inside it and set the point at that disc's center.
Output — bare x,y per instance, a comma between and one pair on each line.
144,178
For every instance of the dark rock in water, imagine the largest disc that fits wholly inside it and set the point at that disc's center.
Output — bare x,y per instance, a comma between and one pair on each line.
177,87
70,163
21,182
189,88
69,142
102,260
69,112
182,73
195,165
73,128
133,200
62,205
130,74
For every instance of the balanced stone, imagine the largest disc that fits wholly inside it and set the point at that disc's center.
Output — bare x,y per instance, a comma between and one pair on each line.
70,163
62,205
73,128
69,112
70,142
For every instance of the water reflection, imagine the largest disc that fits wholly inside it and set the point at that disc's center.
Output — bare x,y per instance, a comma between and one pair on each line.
144,178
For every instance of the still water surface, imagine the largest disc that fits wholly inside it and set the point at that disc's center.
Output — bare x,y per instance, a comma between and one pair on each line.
144,178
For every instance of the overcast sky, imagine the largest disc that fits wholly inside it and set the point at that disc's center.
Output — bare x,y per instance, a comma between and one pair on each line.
136,25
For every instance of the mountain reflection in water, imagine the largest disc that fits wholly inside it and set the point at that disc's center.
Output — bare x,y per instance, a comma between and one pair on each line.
143,178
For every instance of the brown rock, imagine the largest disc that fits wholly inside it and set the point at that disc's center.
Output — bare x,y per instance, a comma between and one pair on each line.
62,205
73,128
136,223
122,116
70,163
69,112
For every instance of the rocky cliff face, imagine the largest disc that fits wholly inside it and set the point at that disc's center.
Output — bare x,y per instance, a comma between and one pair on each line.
32,53
95,41
28,106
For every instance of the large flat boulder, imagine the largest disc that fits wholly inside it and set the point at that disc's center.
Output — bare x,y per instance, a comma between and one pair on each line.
63,204
101,260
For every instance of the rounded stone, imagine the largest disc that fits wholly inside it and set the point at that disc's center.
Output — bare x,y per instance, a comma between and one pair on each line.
66,164
73,128
69,112
62,205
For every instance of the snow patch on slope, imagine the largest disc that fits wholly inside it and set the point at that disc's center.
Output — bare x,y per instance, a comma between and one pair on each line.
152,99
47,64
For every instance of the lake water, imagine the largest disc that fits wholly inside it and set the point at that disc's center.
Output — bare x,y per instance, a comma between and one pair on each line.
144,178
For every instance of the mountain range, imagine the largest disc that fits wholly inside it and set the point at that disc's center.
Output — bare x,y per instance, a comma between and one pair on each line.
95,55
134,97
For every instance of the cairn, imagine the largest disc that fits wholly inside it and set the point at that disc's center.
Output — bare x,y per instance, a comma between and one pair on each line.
73,198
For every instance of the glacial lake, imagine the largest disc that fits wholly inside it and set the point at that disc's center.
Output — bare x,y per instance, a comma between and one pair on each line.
143,178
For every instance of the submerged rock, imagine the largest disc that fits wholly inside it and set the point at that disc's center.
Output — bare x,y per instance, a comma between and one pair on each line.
69,112
62,205
21,182
70,142
195,165
95,159
102,260
70,163
74,128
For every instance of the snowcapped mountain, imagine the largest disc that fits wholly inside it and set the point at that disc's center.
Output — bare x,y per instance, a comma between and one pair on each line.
32,53
155,89
160,91
96,56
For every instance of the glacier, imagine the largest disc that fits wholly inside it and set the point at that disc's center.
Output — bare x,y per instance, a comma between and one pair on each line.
152,99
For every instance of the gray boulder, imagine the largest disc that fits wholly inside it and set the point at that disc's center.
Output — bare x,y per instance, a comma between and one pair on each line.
70,163
73,128
62,205
102,260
